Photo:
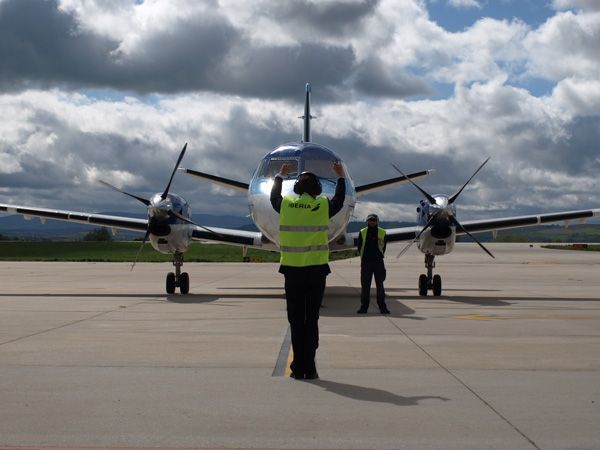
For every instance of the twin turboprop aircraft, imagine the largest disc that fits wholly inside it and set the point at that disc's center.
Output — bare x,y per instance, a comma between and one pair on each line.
170,229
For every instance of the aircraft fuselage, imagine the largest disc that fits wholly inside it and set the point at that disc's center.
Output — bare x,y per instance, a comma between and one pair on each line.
303,156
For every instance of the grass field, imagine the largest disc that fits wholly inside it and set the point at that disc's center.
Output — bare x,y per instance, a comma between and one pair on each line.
126,251
587,247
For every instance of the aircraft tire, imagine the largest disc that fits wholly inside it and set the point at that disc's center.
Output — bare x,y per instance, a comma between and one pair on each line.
184,283
170,283
437,285
423,285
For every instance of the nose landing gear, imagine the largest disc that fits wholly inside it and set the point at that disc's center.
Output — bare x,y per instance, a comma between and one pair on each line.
178,279
430,281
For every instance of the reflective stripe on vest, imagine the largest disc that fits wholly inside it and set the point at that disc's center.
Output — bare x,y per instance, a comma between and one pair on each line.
380,239
303,228
304,231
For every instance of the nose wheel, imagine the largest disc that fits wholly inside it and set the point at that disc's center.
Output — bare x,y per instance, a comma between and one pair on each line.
430,281
178,279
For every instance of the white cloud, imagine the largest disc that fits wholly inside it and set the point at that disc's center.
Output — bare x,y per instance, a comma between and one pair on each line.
8,164
578,97
565,46
591,5
464,3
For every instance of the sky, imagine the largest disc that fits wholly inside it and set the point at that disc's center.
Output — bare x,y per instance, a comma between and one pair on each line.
112,89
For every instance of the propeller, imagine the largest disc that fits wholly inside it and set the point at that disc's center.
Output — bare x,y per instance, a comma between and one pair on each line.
170,212
140,249
164,194
143,200
458,225
405,249
455,196
430,198
191,222
451,200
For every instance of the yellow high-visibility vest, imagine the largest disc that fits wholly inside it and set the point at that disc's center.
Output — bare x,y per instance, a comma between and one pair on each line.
380,239
304,231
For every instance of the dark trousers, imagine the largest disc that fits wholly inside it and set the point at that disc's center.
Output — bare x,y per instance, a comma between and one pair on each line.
368,269
303,295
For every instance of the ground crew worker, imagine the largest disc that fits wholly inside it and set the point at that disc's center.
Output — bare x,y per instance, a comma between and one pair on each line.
371,245
304,247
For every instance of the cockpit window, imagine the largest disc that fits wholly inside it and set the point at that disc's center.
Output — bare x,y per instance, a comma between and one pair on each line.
323,168
269,168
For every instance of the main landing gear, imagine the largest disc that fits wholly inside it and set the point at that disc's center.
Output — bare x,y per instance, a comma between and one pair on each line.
178,279
430,281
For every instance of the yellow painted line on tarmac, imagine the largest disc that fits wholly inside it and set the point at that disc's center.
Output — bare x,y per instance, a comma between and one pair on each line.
290,357
477,317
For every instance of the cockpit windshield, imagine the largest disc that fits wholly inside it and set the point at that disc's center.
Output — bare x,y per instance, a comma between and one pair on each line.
323,168
270,167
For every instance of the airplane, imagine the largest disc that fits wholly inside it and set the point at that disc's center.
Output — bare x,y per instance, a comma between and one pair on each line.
169,226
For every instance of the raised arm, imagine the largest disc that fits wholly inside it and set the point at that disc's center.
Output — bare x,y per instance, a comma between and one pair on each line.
276,197
337,202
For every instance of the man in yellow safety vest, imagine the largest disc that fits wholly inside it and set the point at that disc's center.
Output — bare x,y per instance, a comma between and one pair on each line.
371,245
304,247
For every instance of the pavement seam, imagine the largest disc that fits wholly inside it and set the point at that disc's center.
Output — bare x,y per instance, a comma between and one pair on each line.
514,427
453,375
62,326
282,358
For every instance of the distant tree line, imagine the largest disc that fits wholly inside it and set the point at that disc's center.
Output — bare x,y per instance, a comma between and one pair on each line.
98,235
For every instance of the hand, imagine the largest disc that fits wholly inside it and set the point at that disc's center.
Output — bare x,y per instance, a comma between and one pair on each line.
285,169
338,169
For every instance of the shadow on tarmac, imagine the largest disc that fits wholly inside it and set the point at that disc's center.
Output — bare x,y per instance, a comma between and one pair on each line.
346,306
372,394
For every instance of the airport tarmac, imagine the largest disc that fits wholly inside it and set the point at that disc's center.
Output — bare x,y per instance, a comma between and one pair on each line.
93,355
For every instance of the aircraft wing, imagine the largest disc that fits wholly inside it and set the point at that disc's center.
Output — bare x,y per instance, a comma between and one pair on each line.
392,235
123,223
225,182
478,226
384,184
229,236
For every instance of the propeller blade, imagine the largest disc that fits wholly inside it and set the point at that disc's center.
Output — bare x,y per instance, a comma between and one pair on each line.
143,200
472,237
141,247
405,249
185,219
164,195
455,196
427,196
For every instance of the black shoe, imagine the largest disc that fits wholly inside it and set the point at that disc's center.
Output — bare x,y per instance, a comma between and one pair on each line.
384,310
297,376
362,310
311,376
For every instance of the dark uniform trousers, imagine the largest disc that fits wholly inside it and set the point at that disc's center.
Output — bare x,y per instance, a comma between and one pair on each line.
368,269
304,295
